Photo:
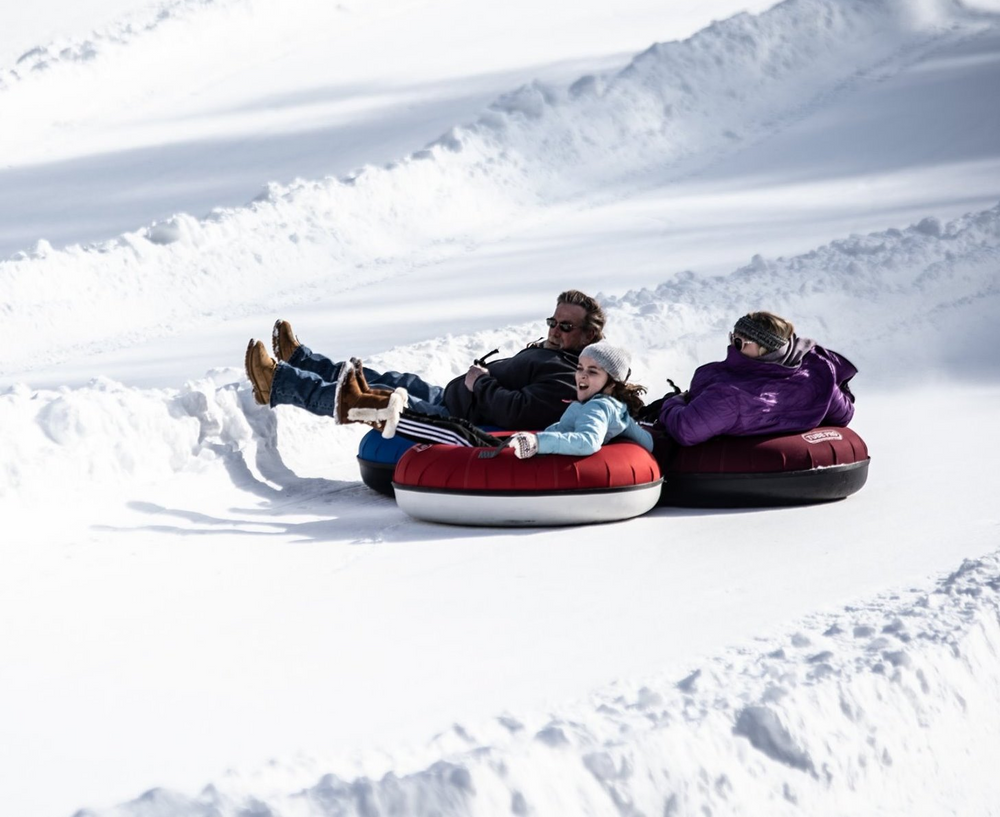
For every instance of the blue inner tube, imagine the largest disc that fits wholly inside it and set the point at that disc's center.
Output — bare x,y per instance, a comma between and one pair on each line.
377,458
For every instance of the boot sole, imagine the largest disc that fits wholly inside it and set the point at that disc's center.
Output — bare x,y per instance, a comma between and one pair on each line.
346,370
276,343
258,395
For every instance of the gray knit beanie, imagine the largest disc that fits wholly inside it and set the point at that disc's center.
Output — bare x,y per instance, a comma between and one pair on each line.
747,327
613,359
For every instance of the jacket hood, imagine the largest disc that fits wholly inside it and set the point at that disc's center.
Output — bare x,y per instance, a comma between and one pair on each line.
791,353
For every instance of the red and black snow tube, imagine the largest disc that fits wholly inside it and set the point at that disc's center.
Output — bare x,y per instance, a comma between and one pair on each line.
470,486
820,465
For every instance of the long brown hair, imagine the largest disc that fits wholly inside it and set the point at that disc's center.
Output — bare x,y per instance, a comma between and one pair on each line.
630,394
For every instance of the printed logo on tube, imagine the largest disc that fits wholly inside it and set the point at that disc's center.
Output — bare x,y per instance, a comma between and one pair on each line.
814,437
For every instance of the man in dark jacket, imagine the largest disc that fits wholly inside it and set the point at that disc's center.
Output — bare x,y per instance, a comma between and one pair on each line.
528,390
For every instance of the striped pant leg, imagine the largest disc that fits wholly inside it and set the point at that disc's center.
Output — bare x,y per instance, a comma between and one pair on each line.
423,428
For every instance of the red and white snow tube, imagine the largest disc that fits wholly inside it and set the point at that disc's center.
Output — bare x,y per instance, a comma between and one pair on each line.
468,486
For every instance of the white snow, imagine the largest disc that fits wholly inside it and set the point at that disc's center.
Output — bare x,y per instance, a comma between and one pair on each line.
202,609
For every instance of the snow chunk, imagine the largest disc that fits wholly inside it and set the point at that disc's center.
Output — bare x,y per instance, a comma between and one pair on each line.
765,732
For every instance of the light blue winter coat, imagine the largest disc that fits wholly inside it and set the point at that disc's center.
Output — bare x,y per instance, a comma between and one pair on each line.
585,427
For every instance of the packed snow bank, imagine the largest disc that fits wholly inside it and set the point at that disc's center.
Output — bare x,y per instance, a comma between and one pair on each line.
884,707
676,107
909,304
96,439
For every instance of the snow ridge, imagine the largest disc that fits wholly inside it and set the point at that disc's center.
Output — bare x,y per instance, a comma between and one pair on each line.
854,708
677,106
695,100
941,279
44,58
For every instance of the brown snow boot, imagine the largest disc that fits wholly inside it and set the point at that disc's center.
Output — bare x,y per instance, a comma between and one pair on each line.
359,373
260,371
283,341
376,409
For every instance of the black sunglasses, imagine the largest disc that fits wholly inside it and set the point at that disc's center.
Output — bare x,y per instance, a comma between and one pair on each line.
739,343
564,326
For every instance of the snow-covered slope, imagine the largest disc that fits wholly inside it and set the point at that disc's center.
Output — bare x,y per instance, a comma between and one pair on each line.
193,584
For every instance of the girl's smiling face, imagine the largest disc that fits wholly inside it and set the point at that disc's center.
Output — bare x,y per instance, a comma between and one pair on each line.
591,379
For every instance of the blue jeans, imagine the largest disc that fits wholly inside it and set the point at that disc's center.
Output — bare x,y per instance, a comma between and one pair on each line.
309,381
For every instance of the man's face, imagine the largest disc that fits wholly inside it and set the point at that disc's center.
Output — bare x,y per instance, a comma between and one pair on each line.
568,334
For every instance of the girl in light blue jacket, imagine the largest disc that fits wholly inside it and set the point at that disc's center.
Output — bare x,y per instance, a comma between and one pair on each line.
605,403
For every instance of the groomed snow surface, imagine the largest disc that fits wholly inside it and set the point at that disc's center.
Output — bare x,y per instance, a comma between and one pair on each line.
204,613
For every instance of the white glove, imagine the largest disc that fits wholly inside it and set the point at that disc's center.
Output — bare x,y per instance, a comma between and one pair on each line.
524,443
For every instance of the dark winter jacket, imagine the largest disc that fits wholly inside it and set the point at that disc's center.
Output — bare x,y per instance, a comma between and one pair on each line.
743,396
528,391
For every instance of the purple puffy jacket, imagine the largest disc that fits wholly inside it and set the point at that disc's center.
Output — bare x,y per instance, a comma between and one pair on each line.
743,396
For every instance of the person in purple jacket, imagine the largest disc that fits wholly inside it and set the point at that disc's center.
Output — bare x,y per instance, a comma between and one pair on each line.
771,382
